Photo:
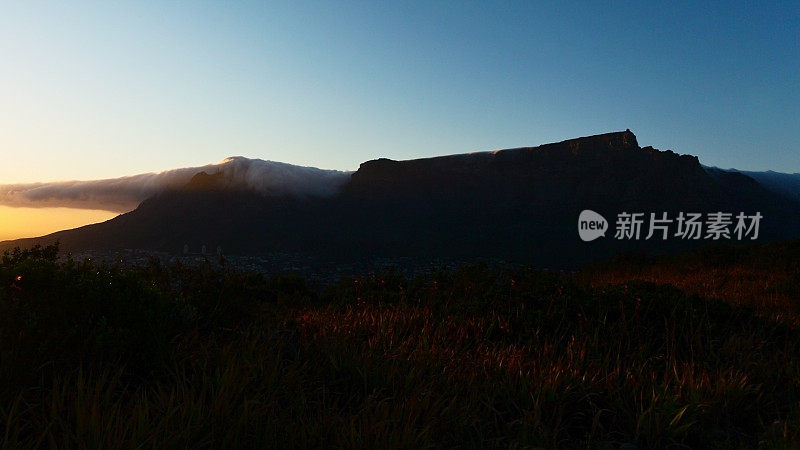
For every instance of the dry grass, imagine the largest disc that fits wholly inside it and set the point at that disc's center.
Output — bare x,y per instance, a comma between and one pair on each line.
470,358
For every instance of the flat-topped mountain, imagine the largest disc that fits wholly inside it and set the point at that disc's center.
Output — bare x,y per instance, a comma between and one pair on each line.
517,205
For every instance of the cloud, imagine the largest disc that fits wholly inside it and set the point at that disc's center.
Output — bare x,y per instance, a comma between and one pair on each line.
124,194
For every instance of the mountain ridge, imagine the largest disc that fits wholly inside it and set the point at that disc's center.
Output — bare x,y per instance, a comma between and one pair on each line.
516,204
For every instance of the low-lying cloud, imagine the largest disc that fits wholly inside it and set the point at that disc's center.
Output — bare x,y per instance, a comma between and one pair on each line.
124,194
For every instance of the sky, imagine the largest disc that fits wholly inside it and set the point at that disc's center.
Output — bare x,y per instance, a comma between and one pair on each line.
31,222
92,90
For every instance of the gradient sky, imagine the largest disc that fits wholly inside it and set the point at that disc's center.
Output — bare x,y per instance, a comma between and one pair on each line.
103,89
31,222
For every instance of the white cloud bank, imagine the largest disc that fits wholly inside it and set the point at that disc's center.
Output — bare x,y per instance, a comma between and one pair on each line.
124,194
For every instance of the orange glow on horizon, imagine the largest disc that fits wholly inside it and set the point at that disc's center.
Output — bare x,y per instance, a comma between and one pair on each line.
16,223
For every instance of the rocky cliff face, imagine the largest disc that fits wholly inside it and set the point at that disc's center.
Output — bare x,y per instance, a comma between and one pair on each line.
612,165
523,203
607,172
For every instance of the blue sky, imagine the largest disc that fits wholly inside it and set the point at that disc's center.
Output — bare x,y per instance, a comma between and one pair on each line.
105,89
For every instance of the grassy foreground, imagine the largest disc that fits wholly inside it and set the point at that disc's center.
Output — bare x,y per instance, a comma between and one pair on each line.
696,351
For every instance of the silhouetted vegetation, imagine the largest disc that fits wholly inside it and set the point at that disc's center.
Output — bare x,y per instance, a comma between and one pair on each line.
700,350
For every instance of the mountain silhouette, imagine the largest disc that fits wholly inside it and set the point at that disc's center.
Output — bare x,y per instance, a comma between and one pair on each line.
517,205
787,184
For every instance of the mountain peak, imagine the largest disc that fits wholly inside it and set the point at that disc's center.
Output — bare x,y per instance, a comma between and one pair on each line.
616,139
203,181
271,178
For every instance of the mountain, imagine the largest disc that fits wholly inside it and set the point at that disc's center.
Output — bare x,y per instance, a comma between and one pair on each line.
517,205
787,184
